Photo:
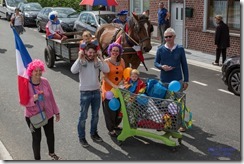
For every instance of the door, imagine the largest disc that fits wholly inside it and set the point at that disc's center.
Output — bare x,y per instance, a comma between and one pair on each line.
177,16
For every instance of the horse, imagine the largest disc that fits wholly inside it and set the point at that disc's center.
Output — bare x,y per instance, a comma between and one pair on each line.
136,32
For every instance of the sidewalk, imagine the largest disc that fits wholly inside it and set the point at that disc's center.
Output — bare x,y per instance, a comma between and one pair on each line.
194,57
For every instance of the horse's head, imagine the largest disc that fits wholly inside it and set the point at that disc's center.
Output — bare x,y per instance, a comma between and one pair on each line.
140,31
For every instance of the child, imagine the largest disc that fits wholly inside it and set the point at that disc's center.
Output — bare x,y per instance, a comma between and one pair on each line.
54,29
88,66
87,38
134,84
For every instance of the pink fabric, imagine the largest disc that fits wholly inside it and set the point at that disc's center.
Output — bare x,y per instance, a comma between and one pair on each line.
49,103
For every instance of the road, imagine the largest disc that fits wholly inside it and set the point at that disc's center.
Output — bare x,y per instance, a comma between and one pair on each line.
216,114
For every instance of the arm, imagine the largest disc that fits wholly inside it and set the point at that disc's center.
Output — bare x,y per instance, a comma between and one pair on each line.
12,20
157,61
49,26
61,29
184,69
217,35
102,64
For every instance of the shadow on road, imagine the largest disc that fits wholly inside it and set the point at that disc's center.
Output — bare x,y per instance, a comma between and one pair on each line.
2,51
64,68
29,46
196,146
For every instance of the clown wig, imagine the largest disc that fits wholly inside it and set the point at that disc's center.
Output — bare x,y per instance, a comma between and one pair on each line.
37,63
114,45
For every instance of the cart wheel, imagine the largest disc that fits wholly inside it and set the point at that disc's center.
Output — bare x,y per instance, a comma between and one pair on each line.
49,56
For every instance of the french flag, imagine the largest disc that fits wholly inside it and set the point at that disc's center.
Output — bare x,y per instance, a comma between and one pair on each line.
22,60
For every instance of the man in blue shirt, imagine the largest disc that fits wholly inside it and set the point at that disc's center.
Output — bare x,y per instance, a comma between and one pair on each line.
163,19
171,60
122,17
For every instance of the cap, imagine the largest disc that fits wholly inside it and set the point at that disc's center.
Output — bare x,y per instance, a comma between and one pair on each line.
123,12
219,17
52,15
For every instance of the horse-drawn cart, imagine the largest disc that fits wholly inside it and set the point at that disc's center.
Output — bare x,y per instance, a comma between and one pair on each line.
65,50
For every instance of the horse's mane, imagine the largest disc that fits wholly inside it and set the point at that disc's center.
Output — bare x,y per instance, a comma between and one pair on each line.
141,17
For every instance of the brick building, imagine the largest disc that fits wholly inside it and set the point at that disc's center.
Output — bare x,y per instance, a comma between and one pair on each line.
193,21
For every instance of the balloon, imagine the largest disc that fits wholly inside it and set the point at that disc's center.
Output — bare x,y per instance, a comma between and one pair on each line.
109,95
174,86
142,99
172,108
114,104
115,92
126,72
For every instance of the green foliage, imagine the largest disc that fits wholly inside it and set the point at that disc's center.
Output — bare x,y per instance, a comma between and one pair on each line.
61,3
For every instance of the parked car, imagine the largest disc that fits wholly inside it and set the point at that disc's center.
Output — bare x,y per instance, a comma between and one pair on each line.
91,20
231,74
30,11
7,7
66,15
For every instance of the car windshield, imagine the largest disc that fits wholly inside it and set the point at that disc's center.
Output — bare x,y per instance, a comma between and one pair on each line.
65,12
108,18
32,7
14,3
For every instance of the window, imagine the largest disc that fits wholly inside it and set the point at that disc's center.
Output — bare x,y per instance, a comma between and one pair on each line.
229,9
138,6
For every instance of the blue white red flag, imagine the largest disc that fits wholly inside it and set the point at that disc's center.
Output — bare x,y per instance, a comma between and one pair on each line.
22,60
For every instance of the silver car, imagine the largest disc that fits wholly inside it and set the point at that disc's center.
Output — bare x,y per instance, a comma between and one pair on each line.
91,20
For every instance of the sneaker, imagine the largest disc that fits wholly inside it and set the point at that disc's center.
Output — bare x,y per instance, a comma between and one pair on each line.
84,143
96,137
216,64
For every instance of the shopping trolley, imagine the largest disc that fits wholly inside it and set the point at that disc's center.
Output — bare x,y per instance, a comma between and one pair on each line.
142,112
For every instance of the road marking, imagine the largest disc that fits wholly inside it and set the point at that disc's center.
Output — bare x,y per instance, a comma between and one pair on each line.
197,82
4,154
155,69
225,91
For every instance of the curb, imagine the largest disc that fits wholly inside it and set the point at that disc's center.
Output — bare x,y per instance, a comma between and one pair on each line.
4,154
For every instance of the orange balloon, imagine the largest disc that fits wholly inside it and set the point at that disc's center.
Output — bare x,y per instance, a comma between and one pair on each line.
126,72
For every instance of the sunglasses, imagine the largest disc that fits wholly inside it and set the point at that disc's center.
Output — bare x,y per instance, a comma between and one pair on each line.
168,36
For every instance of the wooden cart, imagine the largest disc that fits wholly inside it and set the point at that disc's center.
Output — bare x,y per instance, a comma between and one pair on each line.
66,50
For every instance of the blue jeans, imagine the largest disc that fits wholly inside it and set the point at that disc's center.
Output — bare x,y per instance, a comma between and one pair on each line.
93,99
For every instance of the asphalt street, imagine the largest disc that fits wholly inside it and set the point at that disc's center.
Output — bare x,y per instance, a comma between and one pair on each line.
215,136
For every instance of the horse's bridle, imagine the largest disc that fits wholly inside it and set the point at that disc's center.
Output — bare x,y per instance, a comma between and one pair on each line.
137,29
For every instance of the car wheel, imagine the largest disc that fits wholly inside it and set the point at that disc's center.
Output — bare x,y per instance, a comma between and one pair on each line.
234,82
49,56
8,17
39,29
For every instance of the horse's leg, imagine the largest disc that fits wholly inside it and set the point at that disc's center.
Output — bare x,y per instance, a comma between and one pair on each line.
135,61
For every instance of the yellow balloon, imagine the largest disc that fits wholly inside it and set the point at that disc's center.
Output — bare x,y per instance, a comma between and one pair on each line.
115,92
126,72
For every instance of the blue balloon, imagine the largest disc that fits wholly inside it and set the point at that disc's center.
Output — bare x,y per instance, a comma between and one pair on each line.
142,99
114,104
174,86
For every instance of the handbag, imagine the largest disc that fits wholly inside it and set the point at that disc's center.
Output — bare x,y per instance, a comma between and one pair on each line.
40,118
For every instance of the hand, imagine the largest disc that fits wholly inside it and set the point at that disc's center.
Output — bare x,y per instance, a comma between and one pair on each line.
35,97
57,117
81,55
100,55
167,68
185,86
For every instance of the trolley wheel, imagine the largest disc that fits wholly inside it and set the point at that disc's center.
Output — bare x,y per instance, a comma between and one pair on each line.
120,143
49,56
180,141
